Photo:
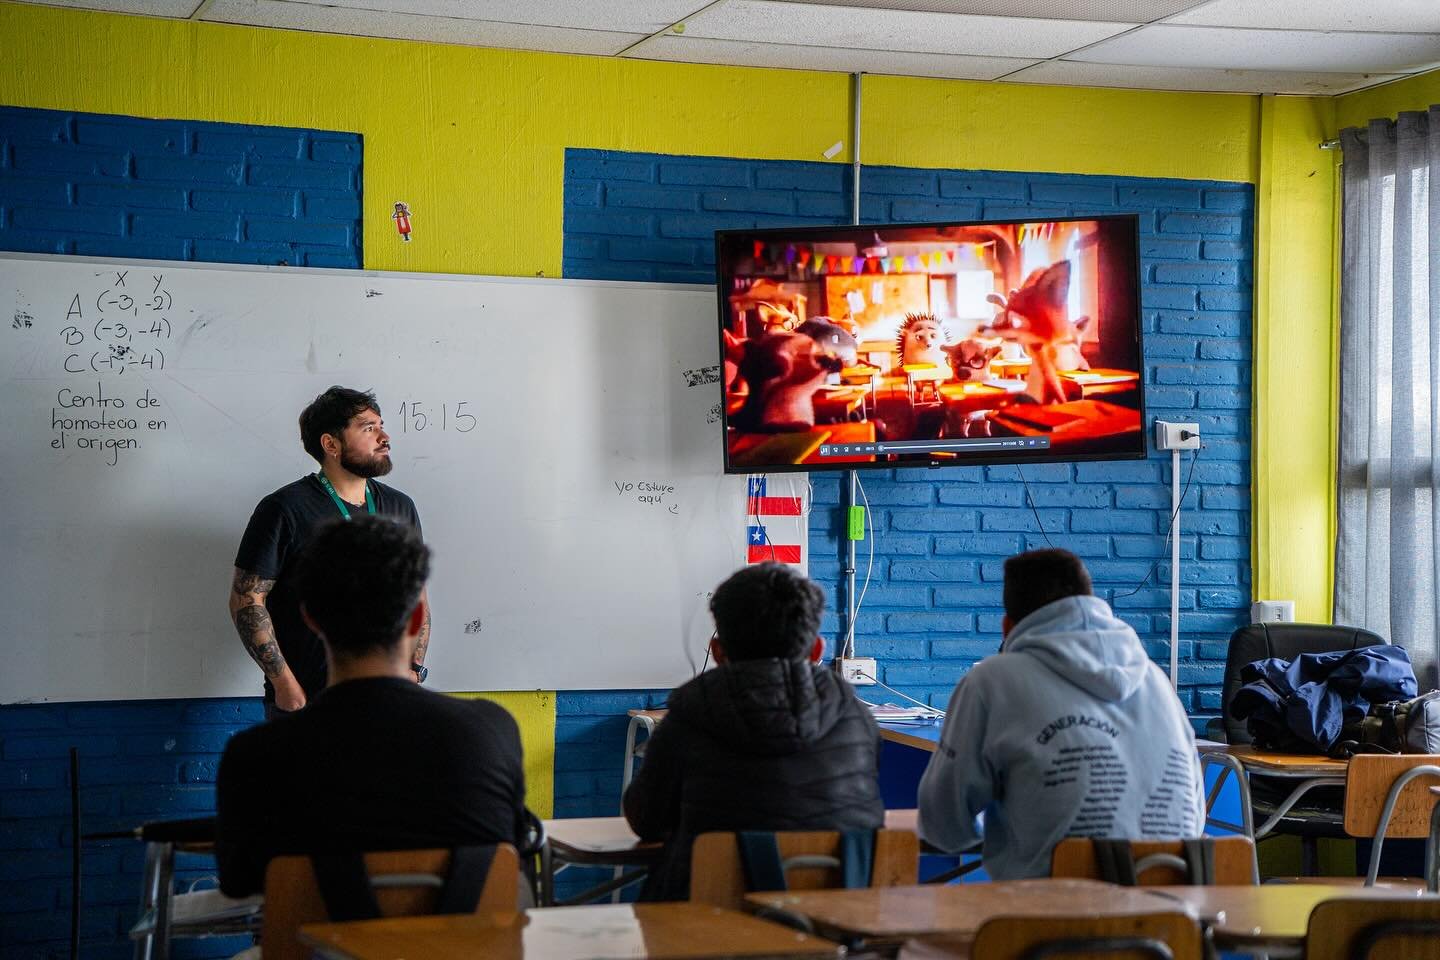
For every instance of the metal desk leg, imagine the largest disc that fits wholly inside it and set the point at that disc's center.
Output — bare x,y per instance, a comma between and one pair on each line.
547,876
156,890
636,722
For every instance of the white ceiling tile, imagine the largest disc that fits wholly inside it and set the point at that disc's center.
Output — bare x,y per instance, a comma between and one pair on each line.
1396,16
817,25
1235,49
688,49
371,23
1073,73
148,8
1118,11
617,16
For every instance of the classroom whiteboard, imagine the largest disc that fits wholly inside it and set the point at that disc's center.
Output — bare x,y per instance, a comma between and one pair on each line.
561,440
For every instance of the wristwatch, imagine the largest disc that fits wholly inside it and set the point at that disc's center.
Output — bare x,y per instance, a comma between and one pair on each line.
421,672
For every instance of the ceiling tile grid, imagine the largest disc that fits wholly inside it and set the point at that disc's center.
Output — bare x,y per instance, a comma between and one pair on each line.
1314,47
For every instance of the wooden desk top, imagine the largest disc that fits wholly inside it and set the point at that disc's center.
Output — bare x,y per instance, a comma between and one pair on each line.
577,838
658,931
1282,764
1271,915
895,914
607,840
921,736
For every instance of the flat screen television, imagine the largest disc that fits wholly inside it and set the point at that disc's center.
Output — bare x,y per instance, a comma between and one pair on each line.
931,344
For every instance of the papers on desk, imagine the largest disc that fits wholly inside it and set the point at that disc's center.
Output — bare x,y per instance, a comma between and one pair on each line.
889,712
204,905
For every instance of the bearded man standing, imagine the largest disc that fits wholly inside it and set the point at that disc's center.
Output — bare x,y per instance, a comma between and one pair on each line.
343,430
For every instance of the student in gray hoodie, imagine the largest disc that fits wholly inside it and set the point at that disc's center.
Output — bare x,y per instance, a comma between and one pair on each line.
1070,731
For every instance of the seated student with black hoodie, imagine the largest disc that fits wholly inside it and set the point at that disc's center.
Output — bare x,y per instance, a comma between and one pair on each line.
768,740
1069,731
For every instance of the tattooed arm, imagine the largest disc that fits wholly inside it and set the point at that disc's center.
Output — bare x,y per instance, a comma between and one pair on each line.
252,622
422,642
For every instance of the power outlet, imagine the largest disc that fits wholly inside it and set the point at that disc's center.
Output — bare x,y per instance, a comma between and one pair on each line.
860,671
1176,436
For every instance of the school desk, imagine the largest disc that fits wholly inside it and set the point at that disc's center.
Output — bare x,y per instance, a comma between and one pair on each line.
593,842
657,931
609,841
1270,918
1305,771
888,916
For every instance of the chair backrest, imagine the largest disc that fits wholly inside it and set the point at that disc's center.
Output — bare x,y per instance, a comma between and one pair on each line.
1368,778
1234,861
292,893
1343,929
717,876
1151,936
1260,641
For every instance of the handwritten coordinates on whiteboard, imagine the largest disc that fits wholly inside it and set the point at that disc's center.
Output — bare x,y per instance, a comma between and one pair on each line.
119,326
419,415
125,331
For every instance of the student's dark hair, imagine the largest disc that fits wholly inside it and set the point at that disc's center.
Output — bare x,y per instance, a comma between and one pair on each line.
1040,577
331,413
767,610
359,579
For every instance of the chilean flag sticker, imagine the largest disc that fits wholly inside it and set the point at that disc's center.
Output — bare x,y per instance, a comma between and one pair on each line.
776,526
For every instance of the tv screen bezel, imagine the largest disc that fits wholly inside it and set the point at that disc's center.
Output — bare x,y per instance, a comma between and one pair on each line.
773,233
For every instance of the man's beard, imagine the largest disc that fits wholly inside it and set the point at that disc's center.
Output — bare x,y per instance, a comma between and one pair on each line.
375,466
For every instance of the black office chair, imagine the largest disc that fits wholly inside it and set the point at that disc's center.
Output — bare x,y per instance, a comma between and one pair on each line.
1314,811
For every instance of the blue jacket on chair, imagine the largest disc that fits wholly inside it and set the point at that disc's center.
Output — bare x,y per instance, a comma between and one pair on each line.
1300,705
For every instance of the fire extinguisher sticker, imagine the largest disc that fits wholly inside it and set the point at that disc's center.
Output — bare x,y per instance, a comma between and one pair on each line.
401,216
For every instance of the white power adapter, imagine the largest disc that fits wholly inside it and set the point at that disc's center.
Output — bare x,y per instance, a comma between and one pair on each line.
1176,436
859,671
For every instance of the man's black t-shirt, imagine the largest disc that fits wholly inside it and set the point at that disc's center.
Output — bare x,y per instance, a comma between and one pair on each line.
371,764
279,528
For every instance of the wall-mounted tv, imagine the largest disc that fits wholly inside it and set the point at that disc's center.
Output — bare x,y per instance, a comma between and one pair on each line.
931,344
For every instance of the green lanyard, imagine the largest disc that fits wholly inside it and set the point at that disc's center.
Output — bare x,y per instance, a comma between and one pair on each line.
344,510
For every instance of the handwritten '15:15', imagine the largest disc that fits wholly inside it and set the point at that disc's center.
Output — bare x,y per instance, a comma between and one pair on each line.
417,415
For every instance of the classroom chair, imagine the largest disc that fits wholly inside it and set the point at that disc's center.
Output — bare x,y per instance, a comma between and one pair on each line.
1223,861
401,883
1309,809
808,861
1147,936
1368,929
1388,796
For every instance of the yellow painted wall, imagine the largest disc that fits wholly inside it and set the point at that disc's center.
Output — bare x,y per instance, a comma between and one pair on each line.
474,140
1293,447
1416,93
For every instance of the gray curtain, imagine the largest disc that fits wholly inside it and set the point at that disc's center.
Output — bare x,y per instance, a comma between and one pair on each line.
1388,548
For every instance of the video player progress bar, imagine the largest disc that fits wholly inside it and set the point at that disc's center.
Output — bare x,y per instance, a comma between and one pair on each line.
934,446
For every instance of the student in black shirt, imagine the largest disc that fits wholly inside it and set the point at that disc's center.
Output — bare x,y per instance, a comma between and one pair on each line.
374,762
342,429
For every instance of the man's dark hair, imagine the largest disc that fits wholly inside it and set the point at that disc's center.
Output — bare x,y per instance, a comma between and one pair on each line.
767,610
1039,577
331,413
359,579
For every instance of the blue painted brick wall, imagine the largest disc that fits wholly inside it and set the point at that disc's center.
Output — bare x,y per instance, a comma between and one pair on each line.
108,186
933,604
118,186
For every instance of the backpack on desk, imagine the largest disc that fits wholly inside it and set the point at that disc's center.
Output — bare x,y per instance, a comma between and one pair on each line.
1400,726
